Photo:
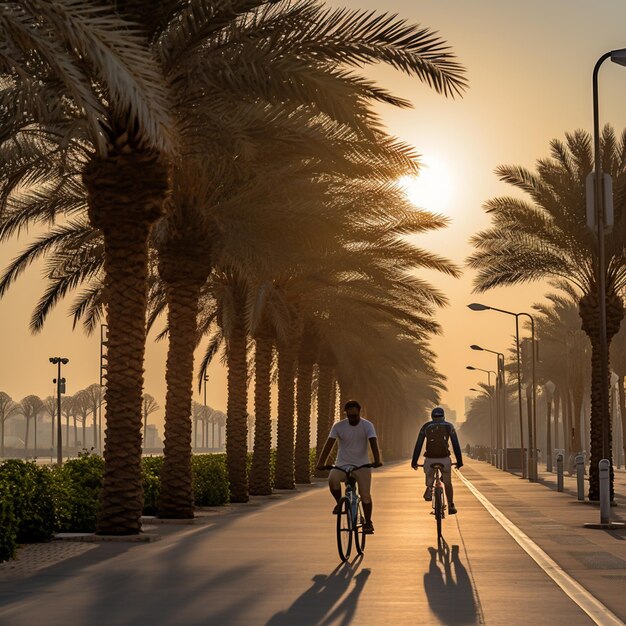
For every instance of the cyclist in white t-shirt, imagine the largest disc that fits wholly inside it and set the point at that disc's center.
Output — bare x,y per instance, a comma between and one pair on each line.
355,435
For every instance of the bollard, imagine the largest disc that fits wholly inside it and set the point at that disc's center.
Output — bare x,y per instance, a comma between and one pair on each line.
605,491
580,476
559,472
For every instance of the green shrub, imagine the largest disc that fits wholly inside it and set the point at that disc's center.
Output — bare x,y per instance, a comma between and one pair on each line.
31,489
151,470
77,493
8,522
210,479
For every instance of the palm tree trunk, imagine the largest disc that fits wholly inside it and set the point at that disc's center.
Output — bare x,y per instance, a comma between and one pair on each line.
260,481
85,431
2,420
324,384
306,360
549,436
125,193
183,281
35,433
286,427
237,408
557,411
95,428
75,430
26,433
332,407
567,427
589,313
622,411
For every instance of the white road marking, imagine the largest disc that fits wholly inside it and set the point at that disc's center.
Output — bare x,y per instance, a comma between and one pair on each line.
599,613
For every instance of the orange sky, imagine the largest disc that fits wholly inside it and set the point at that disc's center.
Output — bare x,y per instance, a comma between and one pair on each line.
529,66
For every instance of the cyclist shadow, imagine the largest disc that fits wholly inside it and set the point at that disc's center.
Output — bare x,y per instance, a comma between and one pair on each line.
325,602
448,587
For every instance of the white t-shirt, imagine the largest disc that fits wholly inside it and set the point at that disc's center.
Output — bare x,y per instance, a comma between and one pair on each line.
353,442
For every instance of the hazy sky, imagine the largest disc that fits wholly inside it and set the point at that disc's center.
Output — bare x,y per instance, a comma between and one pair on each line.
529,66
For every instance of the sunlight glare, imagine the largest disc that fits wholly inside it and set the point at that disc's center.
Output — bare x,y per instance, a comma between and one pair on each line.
433,190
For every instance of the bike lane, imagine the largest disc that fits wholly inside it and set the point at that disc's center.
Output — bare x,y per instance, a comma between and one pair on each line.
278,566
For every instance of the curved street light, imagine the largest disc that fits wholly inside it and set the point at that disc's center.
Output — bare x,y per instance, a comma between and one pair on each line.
532,420
501,426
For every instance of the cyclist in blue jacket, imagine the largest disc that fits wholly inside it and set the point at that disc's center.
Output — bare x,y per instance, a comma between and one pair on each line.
437,433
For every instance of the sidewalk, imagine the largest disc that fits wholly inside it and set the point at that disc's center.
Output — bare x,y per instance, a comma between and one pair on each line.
595,558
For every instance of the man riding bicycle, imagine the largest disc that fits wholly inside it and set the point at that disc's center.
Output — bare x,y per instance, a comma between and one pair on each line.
437,433
353,435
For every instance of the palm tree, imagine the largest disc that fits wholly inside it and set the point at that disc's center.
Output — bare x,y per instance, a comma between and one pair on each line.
548,237
30,407
95,88
8,409
618,362
149,406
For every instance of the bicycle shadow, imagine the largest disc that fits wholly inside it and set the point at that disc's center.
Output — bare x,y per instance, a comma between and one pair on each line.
325,602
449,588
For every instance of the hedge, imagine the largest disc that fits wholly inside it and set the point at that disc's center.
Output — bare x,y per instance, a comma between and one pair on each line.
38,501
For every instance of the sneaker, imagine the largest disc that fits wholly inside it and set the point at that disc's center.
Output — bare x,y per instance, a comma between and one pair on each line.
452,510
428,494
368,528
337,509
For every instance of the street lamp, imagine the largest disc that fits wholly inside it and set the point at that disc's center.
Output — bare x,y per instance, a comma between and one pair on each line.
532,421
491,419
502,461
60,382
619,57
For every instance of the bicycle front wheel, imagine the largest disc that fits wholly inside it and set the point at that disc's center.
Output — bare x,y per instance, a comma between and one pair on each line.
359,534
439,509
344,529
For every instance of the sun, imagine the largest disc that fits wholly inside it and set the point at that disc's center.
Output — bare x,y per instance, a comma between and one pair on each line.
433,189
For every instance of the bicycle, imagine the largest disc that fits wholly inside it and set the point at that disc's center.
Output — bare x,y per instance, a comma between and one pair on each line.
438,497
350,519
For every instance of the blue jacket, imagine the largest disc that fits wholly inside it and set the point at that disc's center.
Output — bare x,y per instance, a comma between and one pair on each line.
437,433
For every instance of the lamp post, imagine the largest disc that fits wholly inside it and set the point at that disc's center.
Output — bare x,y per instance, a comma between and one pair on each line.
619,57
60,382
475,306
502,426
491,416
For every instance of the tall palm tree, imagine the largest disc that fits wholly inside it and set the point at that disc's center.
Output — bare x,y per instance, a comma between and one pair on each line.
548,238
8,408
96,84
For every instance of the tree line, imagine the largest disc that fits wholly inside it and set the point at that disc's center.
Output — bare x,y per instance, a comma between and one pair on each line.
220,168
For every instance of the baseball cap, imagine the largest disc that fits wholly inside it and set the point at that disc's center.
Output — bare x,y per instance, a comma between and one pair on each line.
437,412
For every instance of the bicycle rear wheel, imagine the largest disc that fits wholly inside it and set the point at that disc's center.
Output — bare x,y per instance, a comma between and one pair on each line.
439,510
359,534
344,529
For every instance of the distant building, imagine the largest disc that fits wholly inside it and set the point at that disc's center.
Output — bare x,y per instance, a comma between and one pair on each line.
153,441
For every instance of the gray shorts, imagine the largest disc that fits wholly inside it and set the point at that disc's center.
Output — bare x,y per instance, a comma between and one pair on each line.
446,472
